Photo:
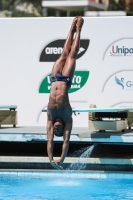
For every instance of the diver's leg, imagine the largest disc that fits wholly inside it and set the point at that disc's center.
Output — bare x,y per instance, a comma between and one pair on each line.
69,67
59,64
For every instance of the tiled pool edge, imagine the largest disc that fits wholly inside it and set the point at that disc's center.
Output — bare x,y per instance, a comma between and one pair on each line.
70,174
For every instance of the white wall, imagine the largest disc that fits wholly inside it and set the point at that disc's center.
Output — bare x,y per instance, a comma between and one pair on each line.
21,72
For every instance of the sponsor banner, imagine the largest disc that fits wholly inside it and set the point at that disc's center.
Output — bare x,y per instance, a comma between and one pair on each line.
79,80
53,50
29,48
122,48
119,82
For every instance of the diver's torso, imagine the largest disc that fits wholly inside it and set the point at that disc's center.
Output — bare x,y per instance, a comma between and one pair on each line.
59,105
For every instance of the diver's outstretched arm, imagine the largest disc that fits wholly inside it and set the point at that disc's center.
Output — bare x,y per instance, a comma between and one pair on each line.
66,137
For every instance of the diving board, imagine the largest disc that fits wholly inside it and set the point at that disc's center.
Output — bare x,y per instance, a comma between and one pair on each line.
116,118
107,118
10,107
106,109
8,115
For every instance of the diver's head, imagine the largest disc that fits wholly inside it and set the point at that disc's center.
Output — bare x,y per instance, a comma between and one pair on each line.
58,127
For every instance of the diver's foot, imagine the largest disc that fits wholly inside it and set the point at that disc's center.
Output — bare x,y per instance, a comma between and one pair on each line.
56,166
73,26
79,23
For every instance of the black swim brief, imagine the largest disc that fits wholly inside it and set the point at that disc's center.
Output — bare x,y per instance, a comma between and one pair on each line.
60,77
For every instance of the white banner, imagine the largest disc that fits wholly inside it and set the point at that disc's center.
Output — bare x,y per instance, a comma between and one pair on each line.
30,46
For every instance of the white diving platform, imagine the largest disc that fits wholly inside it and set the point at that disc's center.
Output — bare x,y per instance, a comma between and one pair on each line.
109,118
107,131
78,135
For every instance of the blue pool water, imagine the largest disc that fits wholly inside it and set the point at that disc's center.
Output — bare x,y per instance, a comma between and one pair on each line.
14,187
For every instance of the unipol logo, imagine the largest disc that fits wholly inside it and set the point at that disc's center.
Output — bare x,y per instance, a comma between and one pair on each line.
54,49
121,51
79,80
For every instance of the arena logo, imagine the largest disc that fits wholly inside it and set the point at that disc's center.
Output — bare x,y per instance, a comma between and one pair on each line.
54,49
121,51
125,84
79,80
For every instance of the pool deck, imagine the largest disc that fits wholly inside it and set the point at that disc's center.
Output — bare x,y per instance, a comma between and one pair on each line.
78,135
68,160
38,134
